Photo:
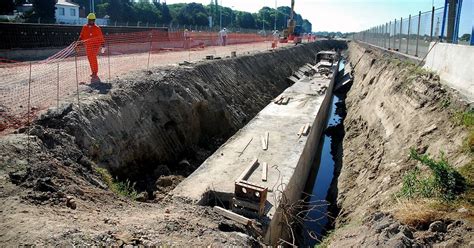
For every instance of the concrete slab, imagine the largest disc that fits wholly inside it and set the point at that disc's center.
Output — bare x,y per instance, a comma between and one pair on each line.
289,157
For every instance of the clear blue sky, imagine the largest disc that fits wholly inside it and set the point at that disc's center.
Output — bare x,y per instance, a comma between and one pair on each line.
349,15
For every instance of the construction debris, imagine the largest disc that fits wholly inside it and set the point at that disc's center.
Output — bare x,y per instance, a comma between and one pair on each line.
293,79
249,198
246,173
264,144
248,143
304,130
264,171
233,216
282,100
265,141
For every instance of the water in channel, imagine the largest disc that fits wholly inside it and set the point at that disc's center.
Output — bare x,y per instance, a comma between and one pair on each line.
319,182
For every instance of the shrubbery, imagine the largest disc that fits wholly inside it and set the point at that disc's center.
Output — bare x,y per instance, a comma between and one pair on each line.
444,182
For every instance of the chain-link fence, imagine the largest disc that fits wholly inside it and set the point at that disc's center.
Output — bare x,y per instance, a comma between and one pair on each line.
412,35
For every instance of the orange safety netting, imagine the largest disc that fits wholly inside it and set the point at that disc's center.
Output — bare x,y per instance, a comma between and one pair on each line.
26,88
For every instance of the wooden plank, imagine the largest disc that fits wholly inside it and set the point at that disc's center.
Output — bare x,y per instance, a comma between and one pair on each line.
264,146
264,171
233,216
278,99
294,79
300,132
246,173
306,129
251,185
267,136
242,152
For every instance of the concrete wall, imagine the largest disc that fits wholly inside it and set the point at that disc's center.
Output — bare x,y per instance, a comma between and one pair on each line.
454,64
298,181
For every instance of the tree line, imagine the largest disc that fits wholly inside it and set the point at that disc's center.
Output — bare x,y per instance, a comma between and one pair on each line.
146,11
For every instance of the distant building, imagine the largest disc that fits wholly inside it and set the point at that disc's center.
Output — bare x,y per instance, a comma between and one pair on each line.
27,7
67,12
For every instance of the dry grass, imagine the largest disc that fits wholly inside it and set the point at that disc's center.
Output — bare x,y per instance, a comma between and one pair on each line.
420,213
416,213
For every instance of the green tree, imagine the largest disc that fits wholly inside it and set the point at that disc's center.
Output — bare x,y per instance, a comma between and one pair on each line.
465,37
165,14
43,10
146,12
246,20
101,9
307,26
115,10
193,14
6,7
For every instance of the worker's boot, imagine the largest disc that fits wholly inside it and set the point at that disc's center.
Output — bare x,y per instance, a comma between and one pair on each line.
94,78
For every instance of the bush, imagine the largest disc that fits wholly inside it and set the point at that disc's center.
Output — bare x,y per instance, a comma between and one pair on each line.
126,188
444,182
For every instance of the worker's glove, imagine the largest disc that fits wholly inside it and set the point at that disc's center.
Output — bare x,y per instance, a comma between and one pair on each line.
102,50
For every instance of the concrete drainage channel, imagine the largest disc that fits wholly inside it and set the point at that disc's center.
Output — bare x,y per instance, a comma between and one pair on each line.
260,172
321,189
155,128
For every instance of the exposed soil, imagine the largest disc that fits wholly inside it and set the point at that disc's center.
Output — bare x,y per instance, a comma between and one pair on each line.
152,128
391,108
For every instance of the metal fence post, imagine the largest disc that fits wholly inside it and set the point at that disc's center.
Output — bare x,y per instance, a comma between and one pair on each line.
432,23
77,80
389,39
472,36
57,88
149,51
418,33
108,56
400,35
409,26
379,35
394,35
28,113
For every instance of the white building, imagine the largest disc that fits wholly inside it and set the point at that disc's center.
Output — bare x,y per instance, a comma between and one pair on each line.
67,13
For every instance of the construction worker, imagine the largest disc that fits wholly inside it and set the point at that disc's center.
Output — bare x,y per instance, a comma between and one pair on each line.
276,37
93,38
223,36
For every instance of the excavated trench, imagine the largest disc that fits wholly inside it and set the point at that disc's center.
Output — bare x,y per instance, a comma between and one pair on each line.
161,124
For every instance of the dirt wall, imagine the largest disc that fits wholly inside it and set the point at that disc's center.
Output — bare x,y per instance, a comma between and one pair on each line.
392,106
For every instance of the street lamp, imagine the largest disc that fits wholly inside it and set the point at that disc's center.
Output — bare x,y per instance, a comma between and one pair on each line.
276,13
92,8
220,18
231,14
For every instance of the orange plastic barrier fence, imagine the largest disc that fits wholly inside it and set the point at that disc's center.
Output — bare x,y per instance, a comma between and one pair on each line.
26,88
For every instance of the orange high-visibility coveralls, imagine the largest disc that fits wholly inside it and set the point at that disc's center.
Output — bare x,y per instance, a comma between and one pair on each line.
92,36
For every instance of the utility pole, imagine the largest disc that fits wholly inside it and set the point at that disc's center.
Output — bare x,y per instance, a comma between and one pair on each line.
220,19
92,7
276,13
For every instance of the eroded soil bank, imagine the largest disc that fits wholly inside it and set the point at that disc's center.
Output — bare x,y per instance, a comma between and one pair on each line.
393,106
148,125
